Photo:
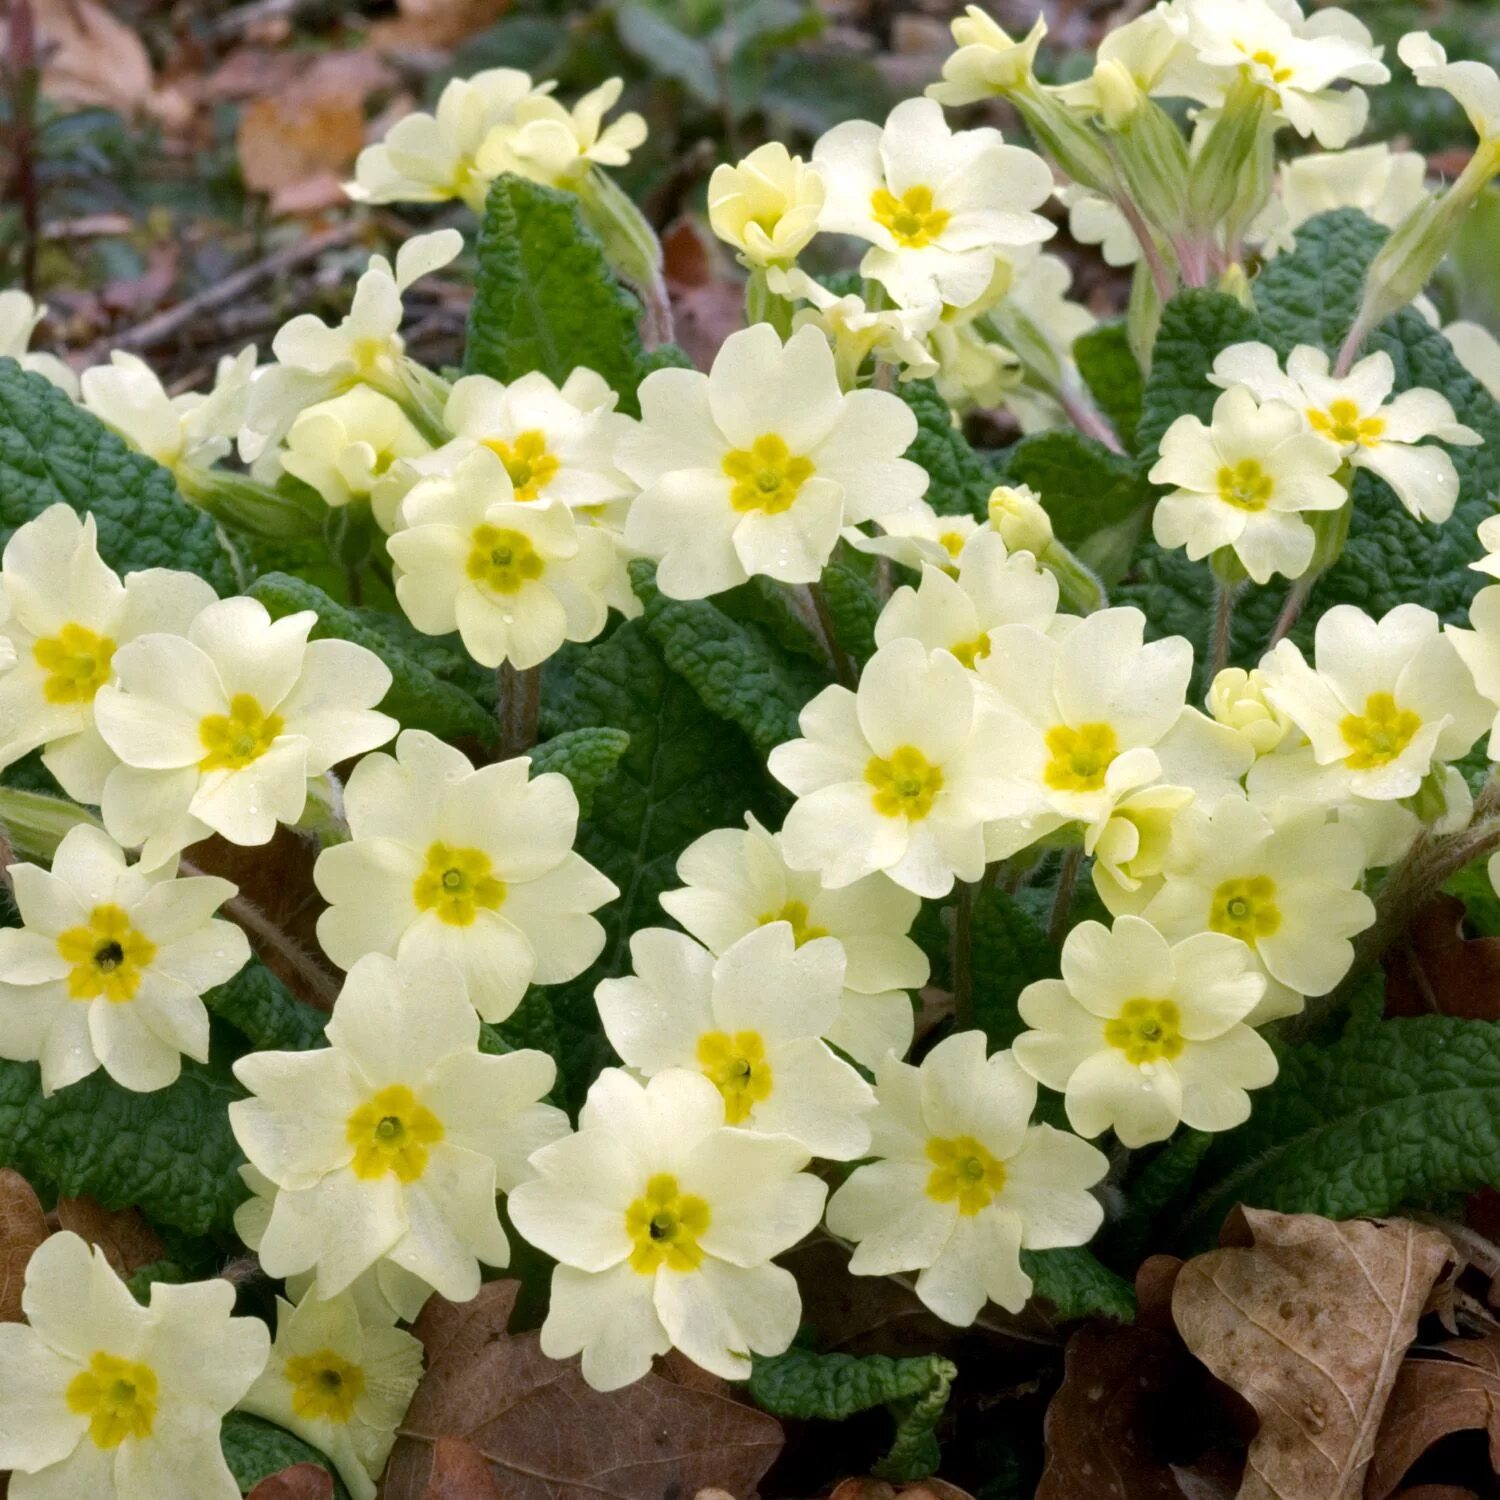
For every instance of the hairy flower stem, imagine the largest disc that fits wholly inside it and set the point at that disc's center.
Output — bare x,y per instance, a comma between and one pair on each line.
1062,901
1296,597
518,705
1087,418
963,954
1225,595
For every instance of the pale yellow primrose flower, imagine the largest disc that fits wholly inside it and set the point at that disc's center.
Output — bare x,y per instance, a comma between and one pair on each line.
391,1142
751,1021
476,867
962,1181
894,334
1140,1035
109,1400
988,61
1387,185
551,144
755,467
664,1221
1359,418
219,729
430,158
19,316
767,205
936,206
67,615
1237,698
514,578
1474,85
1285,882
737,881
1244,481
109,964
340,1383
902,776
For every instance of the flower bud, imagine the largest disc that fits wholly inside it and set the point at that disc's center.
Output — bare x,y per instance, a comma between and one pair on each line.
1017,514
1237,699
767,205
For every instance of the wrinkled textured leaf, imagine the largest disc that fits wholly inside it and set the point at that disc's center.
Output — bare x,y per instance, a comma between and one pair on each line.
1308,1319
545,298
417,697
734,666
1083,486
255,1449
1008,950
52,450
585,756
1110,370
853,606
961,480
1076,1285
832,1387
259,1006
548,1436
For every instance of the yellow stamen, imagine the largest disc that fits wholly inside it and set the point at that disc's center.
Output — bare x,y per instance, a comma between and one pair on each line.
109,956
1378,735
1146,1031
1245,908
1079,758
528,462
504,561
76,661
964,1171
795,912
665,1223
767,476
737,1067
325,1386
1245,485
118,1396
911,218
390,1132
906,783
457,884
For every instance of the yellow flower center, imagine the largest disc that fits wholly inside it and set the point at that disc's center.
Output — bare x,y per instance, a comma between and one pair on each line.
911,218
952,542
905,784
963,1171
457,884
530,466
1269,61
118,1396
1245,908
737,1067
390,1132
1245,485
968,652
108,956
235,739
766,475
664,1223
324,1385
795,912
1079,759
1146,1031
1378,735
1343,423
76,661
504,561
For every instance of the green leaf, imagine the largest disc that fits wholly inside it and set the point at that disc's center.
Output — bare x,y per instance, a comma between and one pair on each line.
832,1387
545,298
735,667
1083,486
52,451
254,1448
961,480
418,697
813,90
1008,949
1078,1286
684,772
258,1005
667,50
1109,369
1195,326
586,757
853,606
1312,295
1394,1114
169,1153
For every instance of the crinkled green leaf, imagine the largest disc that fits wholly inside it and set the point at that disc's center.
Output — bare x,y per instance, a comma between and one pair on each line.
1312,295
961,480
1078,1286
585,756
1161,1183
1008,949
259,1006
544,296
1110,370
1393,1115
831,1387
735,667
418,697
1083,486
52,450
651,35
168,1153
853,606
684,772
254,1448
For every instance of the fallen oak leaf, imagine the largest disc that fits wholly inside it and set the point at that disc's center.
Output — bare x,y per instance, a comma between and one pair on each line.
546,1435
1455,1387
459,1472
1438,970
127,1240
300,1482
23,1226
1308,1320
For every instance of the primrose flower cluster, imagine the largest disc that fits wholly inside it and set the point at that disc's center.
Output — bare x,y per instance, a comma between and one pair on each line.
995,729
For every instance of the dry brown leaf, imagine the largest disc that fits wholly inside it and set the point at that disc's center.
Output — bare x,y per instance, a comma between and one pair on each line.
1457,1389
90,58
435,25
547,1436
1438,1492
864,1487
127,1240
1439,970
300,1482
23,1226
1309,1320
708,300
459,1472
